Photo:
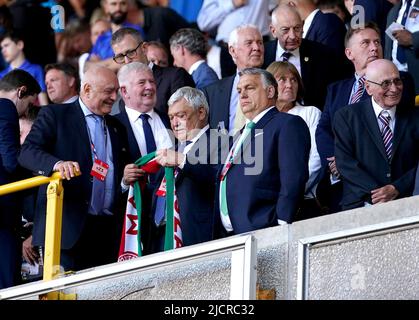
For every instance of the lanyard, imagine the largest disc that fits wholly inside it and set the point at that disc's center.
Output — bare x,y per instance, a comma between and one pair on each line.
92,145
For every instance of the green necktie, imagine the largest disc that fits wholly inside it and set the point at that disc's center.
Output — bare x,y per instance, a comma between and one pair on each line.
233,153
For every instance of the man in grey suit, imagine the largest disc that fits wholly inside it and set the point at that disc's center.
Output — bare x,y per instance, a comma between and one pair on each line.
405,51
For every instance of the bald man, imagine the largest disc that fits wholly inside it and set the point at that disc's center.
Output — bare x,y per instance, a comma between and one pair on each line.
377,141
82,136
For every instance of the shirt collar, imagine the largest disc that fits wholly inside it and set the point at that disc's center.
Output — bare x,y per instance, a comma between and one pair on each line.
308,21
71,100
378,109
280,51
195,66
133,114
84,108
260,115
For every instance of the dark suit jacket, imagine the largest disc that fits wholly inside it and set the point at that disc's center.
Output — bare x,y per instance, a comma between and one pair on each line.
416,189
60,133
168,80
9,150
9,211
412,53
269,188
328,30
204,76
319,68
361,157
195,187
338,94
218,96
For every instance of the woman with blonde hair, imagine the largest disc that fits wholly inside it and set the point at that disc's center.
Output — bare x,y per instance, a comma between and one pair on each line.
290,100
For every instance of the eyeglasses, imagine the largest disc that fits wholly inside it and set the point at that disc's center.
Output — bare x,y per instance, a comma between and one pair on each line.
130,54
386,84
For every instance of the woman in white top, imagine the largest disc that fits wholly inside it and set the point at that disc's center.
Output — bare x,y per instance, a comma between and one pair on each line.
290,98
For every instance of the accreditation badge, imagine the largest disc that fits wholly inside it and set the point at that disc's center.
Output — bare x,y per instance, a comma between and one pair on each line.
99,170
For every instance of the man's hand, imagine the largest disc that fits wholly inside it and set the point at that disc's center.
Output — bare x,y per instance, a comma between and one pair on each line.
28,252
403,37
384,194
67,169
332,167
131,174
169,158
239,3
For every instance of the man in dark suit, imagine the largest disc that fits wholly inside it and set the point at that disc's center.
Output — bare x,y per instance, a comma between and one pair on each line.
128,46
377,141
263,178
81,136
147,130
363,45
246,49
196,160
189,50
416,189
17,90
405,51
324,28
317,65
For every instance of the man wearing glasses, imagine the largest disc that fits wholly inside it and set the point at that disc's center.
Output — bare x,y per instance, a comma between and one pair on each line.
377,141
128,46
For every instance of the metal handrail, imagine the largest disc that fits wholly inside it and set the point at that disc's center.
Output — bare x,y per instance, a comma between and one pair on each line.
55,196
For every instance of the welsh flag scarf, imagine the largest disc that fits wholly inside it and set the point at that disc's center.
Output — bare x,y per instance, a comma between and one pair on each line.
131,236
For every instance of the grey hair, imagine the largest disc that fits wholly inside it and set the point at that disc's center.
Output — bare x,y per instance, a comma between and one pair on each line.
267,78
194,97
234,35
191,39
126,69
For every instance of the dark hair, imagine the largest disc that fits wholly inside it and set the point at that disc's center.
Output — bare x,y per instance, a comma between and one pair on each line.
13,35
18,78
67,69
121,33
266,77
191,39
352,31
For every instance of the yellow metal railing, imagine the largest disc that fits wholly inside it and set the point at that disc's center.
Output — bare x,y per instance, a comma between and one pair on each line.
55,195
417,101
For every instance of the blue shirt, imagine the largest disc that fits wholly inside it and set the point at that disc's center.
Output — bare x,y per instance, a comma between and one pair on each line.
109,183
102,47
187,9
35,70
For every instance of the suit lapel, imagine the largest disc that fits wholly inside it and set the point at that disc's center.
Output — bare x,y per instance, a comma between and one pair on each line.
371,124
157,75
399,128
80,128
305,62
259,125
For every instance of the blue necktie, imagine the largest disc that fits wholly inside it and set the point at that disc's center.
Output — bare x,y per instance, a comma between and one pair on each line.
286,55
148,133
401,54
98,189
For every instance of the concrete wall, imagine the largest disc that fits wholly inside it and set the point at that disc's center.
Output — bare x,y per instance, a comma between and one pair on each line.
368,253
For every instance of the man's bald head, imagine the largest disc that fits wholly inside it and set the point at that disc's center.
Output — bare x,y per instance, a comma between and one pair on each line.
287,27
99,89
383,83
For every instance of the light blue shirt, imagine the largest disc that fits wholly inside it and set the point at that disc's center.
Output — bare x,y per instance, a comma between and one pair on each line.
109,181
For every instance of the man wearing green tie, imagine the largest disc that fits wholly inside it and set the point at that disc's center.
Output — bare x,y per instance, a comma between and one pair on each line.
263,178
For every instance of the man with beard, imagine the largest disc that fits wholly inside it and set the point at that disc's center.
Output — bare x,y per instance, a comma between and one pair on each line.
117,11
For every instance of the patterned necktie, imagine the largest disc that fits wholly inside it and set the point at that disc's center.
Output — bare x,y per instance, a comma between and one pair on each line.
356,96
233,153
148,133
286,55
99,152
401,54
386,133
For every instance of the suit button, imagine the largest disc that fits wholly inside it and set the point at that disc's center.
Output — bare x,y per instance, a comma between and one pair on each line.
388,175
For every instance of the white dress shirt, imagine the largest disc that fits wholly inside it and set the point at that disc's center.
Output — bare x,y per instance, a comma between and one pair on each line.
392,113
308,21
294,59
160,133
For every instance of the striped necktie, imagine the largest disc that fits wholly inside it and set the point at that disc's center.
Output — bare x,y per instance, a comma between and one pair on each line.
356,96
286,55
233,153
386,133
